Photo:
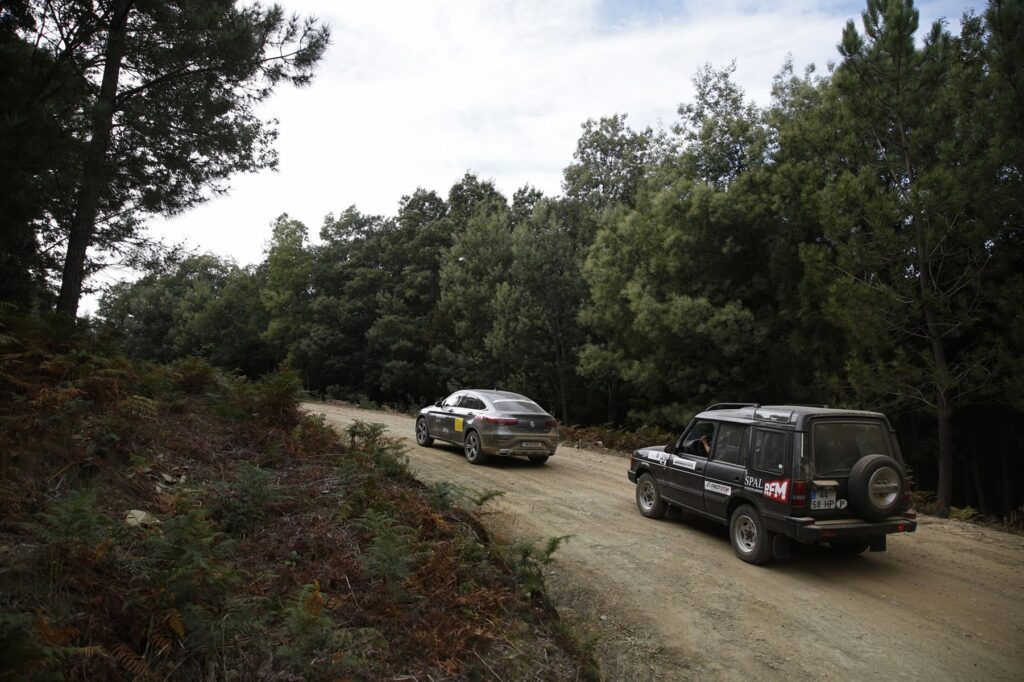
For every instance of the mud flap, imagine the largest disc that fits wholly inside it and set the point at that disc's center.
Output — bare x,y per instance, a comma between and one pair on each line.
876,543
780,547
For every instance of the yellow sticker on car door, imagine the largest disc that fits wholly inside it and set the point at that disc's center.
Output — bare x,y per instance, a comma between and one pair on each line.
458,425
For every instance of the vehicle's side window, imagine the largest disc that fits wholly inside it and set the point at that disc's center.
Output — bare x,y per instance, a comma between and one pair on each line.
693,440
471,402
731,444
770,451
452,400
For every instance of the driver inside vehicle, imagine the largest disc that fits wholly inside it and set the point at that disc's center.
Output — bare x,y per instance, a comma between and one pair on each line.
698,440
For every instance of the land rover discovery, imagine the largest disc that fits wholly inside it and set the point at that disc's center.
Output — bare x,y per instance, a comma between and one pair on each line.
781,473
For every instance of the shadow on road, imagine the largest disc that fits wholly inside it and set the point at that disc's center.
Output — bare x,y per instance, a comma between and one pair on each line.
806,561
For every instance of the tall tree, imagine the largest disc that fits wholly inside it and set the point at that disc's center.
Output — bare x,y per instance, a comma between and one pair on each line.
169,105
911,232
536,334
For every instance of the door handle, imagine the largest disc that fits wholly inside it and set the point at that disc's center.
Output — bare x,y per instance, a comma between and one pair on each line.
469,414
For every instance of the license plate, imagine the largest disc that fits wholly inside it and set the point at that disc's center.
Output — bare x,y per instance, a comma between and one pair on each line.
532,444
824,498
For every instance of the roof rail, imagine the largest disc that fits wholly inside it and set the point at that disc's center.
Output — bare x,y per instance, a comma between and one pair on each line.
774,415
729,406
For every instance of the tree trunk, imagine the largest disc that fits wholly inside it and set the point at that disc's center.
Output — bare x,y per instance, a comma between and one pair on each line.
83,224
940,367
979,485
1008,501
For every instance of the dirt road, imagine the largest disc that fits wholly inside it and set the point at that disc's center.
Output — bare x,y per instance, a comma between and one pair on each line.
669,600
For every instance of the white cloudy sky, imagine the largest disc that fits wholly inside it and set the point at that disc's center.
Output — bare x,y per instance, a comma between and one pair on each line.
415,93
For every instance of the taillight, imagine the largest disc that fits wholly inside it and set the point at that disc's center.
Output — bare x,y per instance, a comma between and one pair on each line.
799,496
551,423
500,421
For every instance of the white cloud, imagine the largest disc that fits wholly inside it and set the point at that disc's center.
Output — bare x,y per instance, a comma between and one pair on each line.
416,93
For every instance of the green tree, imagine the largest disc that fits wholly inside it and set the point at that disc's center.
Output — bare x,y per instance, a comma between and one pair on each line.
535,335
288,291
478,262
912,207
167,108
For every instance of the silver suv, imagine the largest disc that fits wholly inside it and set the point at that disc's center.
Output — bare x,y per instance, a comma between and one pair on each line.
490,423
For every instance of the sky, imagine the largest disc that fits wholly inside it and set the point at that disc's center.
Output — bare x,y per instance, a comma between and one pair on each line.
416,93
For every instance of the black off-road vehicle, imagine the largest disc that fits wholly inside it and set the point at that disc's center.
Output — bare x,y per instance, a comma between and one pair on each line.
779,473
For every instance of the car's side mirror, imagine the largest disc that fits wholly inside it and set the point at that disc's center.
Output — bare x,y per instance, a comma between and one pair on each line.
437,403
671,449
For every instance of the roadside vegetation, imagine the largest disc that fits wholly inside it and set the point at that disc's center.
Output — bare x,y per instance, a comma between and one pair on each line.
176,521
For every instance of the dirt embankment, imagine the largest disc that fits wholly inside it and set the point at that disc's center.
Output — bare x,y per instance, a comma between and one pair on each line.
670,600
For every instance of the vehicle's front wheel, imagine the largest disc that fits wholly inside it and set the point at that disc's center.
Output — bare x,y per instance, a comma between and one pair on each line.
750,540
538,459
648,499
474,453
422,435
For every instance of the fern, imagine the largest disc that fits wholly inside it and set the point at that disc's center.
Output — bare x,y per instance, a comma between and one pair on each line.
140,407
368,434
132,663
242,506
71,520
389,553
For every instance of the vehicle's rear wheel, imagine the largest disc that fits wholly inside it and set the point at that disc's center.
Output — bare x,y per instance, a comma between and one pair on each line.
750,540
648,499
850,547
876,487
538,459
422,435
474,453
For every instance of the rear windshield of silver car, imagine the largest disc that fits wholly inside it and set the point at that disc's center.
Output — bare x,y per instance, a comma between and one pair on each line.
517,406
838,445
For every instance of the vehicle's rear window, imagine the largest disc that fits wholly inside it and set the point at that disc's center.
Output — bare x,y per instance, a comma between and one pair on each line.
838,445
517,406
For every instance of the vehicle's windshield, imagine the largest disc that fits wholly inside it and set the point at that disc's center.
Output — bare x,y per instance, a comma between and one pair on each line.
517,406
838,445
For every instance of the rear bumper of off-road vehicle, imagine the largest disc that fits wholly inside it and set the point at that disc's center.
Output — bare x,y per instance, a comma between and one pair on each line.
807,529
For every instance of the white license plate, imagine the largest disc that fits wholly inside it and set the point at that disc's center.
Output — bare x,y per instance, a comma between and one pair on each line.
532,444
824,498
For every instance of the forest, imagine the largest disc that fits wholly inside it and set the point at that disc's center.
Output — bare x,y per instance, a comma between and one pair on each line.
856,241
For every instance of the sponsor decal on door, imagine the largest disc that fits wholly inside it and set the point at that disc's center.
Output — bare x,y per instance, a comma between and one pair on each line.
777,490
684,463
717,488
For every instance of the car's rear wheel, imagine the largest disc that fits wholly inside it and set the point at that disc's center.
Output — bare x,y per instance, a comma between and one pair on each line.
750,539
648,499
876,487
538,459
474,453
850,547
422,435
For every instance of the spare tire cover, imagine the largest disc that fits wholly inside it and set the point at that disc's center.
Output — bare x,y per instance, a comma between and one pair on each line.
876,487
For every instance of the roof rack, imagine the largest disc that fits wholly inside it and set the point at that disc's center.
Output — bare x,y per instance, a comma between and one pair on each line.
729,406
773,415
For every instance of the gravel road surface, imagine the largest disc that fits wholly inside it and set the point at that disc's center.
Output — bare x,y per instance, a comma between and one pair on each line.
668,599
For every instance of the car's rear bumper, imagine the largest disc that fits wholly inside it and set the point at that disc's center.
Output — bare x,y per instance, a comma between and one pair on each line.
807,529
520,446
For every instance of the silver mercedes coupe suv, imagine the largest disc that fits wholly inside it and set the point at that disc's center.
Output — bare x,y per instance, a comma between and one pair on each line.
488,423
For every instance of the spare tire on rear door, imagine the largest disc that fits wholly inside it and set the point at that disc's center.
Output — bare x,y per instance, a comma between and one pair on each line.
876,487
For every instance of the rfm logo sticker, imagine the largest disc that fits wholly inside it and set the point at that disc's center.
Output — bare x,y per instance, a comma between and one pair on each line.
777,490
